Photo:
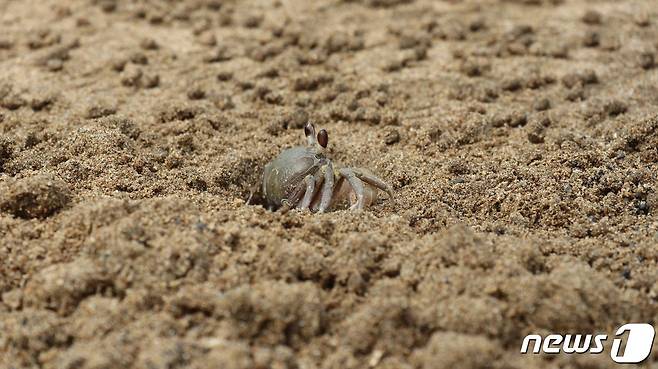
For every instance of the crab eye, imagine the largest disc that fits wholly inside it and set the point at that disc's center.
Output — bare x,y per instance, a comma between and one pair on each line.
309,129
323,138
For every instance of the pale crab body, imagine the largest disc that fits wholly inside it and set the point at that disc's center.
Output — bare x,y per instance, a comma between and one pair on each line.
304,177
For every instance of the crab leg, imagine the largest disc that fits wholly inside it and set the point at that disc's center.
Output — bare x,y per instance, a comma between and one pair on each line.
310,191
295,197
375,181
327,187
356,185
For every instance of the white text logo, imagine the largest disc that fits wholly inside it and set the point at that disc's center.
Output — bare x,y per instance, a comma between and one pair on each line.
637,344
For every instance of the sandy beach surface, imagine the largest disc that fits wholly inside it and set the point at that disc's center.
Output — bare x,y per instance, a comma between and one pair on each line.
520,138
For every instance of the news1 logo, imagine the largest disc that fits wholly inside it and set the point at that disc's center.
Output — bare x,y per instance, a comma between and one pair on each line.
637,348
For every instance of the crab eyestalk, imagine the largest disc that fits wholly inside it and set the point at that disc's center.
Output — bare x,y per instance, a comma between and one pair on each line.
319,141
309,131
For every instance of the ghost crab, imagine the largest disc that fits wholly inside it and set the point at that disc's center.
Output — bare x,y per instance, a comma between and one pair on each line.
303,177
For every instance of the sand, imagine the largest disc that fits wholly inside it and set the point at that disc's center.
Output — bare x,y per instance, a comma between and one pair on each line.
520,137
